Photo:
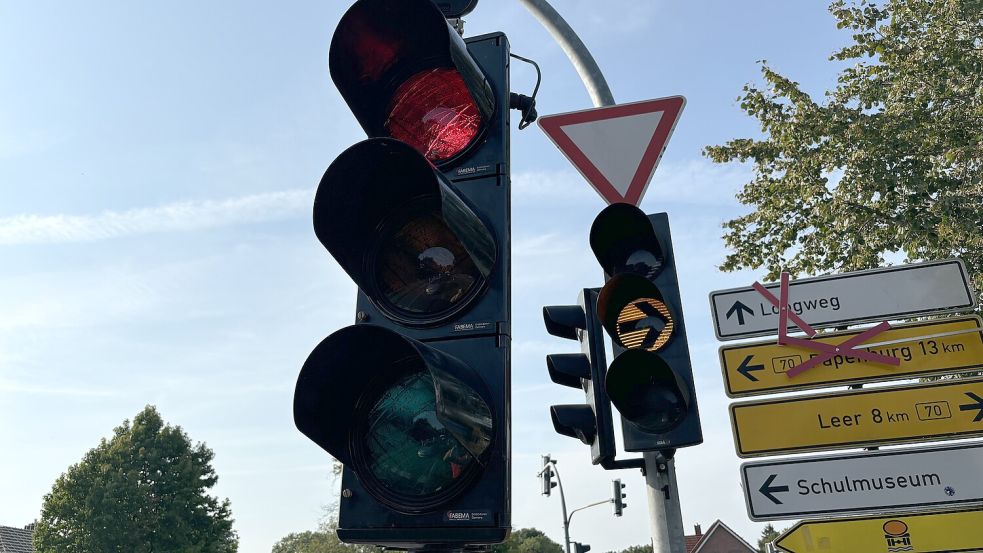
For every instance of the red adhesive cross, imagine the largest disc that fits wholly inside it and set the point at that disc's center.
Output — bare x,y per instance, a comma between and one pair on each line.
784,313
827,351
843,348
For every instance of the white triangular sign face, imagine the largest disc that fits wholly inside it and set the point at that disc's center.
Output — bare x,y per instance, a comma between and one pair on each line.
616,148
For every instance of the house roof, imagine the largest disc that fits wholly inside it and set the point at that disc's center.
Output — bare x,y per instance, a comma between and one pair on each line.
721,527
692,542
16,540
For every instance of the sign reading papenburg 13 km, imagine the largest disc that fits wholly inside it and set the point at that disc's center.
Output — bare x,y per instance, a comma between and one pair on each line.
877,416
892,293
937,347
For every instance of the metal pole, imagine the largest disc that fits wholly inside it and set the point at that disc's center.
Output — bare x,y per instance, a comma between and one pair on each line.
665,516
563,503
664,509
575,49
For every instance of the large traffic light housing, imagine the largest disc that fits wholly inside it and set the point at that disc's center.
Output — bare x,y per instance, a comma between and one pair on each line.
590,422
414,398
650,380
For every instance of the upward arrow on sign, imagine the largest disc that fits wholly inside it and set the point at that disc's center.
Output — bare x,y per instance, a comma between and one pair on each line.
616,148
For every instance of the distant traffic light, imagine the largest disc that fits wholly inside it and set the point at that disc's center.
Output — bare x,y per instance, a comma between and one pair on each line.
580,547
413,400
591,422
618,498
546,476
650,381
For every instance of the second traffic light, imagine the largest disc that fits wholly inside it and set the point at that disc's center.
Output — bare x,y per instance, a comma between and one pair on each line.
589,422
650,380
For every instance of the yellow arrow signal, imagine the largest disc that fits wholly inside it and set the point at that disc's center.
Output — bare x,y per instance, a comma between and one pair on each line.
948,532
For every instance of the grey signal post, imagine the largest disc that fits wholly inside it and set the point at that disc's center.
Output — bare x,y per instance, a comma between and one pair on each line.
665,516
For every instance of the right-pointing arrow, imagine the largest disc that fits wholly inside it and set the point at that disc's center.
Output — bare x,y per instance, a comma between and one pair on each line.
740,309
971,406
768,490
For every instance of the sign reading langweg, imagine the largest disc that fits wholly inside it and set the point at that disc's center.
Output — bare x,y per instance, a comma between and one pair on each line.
890,293
900,479
875,416
943,346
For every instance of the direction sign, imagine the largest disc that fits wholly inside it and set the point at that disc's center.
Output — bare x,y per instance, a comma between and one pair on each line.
895,480
891,293
943,346
876,416
952,532
616,148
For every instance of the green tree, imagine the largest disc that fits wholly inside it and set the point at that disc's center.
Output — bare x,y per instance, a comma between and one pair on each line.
322,540
768,535
144,490
527,540
891,160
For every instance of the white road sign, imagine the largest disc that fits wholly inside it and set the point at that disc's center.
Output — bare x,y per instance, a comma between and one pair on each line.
908,479
889,293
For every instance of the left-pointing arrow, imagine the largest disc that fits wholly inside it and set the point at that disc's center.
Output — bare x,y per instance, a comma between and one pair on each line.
746,369
971,406
768,490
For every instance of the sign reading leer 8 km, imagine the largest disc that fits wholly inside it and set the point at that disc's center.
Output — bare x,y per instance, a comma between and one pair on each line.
890,293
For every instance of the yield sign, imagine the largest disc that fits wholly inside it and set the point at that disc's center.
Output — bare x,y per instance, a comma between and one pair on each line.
616,148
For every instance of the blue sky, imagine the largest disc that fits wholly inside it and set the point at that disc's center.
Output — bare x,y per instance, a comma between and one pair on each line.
158,163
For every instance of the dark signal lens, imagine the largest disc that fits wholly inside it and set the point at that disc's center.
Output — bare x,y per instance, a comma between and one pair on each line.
433,111
423,270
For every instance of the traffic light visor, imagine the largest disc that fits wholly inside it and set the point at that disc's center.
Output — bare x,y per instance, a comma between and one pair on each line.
646,391
624,241
403,235
575,421
407,74
412,422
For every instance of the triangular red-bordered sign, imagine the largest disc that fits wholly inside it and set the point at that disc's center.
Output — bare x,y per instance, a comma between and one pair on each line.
616,148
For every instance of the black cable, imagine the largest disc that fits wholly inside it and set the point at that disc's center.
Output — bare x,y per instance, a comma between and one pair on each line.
529,114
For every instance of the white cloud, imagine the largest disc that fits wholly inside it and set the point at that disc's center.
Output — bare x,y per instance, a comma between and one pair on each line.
179,216
22,388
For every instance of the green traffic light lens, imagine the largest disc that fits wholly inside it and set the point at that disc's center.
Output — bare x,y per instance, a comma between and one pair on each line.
407,449
423,271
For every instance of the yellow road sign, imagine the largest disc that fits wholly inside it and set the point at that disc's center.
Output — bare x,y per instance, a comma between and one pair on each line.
927,348
877,416
908,533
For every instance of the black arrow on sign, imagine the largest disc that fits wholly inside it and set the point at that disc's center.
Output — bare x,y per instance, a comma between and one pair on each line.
740,309
746,369
978,405
767,489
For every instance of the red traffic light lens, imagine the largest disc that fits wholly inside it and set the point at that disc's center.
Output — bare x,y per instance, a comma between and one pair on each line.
433,111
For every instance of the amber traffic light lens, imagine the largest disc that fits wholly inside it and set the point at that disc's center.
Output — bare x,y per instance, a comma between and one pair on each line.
423,270
645,324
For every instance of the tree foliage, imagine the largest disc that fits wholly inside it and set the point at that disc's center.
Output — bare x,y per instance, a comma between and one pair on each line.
891,160
144,490
527,540
768,535
322,540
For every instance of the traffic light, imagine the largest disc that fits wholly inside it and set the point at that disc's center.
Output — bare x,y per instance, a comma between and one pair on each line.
650,380
618,499
591,423
546,476
580,547
413,399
